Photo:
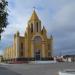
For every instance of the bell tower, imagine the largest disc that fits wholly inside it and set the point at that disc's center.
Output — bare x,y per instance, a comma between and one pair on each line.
34,23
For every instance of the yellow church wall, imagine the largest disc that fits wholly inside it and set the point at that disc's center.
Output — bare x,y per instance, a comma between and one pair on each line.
16,44
26,48
14,47
6,53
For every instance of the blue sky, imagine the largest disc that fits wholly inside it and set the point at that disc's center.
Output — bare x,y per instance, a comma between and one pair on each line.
58,16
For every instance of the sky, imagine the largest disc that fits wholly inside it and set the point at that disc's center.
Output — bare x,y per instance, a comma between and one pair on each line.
58,16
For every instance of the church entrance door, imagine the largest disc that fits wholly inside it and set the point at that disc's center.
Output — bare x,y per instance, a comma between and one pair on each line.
37,55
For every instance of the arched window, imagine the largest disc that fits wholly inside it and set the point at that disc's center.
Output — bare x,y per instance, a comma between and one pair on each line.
21,46
31,27
48,46
37,26
21,50
49,53
37,40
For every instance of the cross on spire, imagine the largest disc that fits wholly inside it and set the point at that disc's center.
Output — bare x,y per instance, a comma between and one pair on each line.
34,8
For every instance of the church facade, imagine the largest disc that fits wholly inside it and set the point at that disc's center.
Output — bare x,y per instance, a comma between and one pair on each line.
34,45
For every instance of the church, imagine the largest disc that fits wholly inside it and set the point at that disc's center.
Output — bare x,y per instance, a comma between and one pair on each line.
33,46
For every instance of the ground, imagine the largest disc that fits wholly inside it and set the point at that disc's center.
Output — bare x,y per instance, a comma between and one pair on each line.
34,69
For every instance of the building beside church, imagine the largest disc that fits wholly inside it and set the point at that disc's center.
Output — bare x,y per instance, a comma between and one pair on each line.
34,45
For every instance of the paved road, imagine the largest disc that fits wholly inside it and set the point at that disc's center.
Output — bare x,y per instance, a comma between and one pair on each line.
36,69
6,71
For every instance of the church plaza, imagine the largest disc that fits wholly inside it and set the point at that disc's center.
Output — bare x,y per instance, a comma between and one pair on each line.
35,69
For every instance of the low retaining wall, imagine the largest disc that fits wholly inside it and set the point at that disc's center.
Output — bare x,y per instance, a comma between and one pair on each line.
42,62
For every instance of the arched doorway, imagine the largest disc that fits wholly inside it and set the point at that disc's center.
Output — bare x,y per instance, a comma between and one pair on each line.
37,55
37,47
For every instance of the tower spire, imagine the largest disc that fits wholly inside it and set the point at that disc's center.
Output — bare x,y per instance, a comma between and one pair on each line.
34,15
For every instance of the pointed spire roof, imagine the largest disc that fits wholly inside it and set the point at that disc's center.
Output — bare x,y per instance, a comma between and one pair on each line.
34,16
44,28
51,37
17,33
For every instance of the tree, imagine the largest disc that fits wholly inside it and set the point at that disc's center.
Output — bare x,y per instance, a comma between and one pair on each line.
3,15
